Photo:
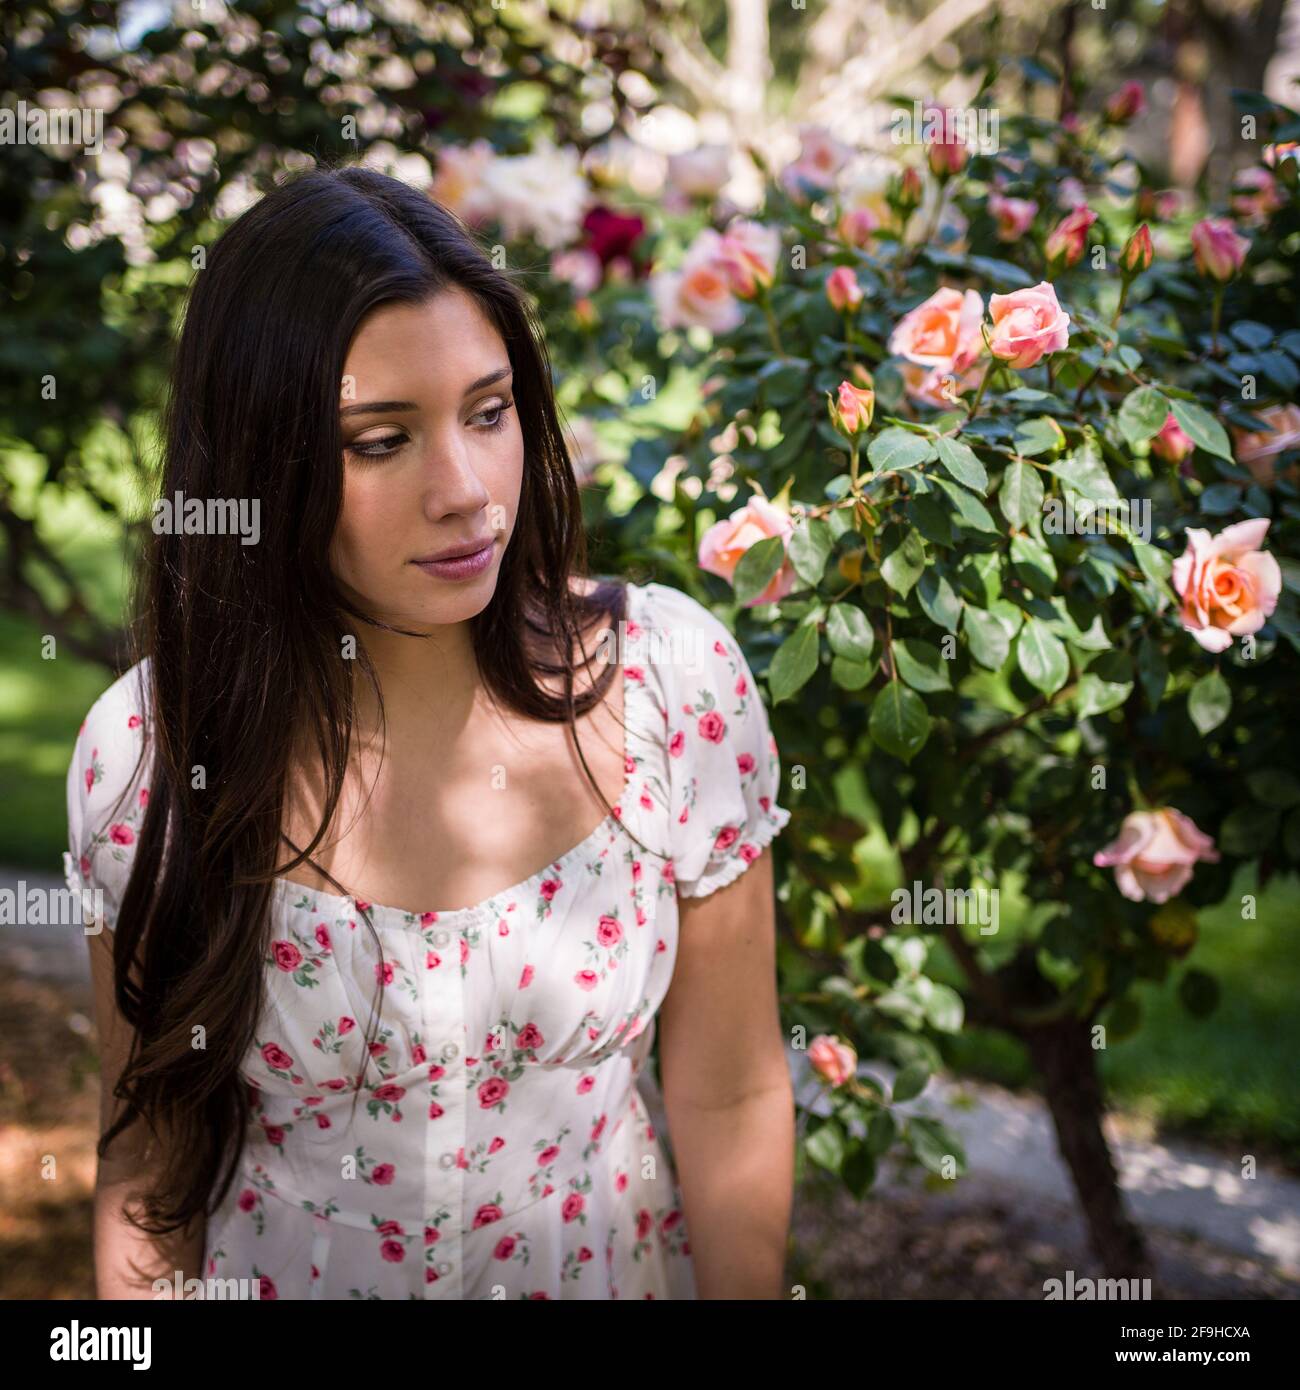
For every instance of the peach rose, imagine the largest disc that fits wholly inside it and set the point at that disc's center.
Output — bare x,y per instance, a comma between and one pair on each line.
852,408
1154,853
1028,325
725,542
1228,585
857,225
832,1059
1255,448
937,387
1219,249
1255,196
1014,216
943,332
699,294
749,253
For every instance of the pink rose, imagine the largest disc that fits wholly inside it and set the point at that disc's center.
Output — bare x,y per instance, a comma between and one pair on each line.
851,409
943,332
726,541
1028,325
393,1251
383,1174
247,1199
1219,249
857,225
1067,240
529,1038
571,1206
1154,853
608,931
492,1092
832,1059
504,1248
286,955
389,1091
1255,196
712,727
1172,443
1014,216
276,1057
487,1214
121,834
586,979
1128,102
842,289
1228,585
748,252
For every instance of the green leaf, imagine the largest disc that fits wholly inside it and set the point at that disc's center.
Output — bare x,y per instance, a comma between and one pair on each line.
1155,563
1041,435
757,566
1042,657
1032,563
972,511
1142,415
938,600
1084,474
1274,786
1021,493
826,1147
849,631
898,448
910,1081
810,547
904,564
1105,685
959,459
921,665
1202,429
794,663
987,637
1248,830
900,722
1209,702
851,675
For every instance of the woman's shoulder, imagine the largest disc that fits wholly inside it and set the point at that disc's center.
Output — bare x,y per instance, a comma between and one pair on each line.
117,717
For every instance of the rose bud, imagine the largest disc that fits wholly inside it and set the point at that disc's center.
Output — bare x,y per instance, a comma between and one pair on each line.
1219,249
1138,253
1128,102
842,289
1066,243
851,411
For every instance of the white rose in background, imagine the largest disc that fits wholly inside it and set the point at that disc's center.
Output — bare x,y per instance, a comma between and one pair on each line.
541,194
459,180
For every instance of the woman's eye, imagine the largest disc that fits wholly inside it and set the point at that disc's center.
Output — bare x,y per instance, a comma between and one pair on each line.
377,448
497,414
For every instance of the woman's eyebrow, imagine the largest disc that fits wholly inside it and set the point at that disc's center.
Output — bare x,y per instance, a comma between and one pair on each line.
387,407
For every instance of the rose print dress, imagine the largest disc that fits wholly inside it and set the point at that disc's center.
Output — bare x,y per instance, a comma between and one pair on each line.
501,1145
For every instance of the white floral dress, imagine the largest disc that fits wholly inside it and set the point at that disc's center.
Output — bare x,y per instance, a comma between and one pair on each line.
501,1147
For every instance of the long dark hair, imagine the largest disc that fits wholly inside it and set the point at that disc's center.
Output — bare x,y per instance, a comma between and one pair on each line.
244,642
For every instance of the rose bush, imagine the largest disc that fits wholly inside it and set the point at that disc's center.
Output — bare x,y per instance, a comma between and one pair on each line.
1004,572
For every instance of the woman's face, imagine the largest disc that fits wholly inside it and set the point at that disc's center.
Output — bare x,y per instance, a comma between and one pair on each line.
433,461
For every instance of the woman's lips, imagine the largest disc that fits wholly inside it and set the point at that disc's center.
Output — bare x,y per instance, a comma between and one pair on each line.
462,567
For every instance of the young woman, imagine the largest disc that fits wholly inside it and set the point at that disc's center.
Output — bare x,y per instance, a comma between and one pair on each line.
383,948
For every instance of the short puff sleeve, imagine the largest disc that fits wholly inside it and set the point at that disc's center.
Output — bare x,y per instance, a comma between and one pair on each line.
107,794
724,766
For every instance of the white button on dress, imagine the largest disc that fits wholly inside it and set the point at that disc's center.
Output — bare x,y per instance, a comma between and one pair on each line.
493,1140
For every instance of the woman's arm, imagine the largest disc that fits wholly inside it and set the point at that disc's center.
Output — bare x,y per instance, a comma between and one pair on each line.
127,1261
726,1086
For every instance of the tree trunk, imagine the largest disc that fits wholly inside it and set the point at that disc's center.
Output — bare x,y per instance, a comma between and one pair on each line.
1063,1054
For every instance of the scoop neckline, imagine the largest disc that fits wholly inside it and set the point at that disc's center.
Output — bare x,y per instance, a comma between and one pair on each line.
288,886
